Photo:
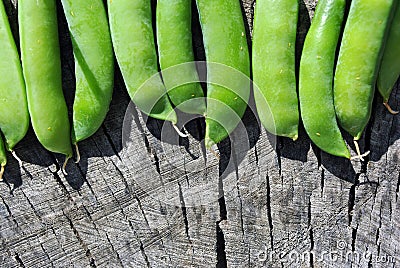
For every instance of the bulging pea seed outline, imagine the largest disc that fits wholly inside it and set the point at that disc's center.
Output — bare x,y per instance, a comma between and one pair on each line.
94,65
358,62
221,21
41,65
174,41
316,78
14,116
389,71
133,41
274,39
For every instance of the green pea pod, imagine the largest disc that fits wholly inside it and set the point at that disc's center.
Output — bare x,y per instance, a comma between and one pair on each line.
316,78
94,65
40,53
358,62
132,37
3,158
228,66
274,75
390,67
175,49
14,116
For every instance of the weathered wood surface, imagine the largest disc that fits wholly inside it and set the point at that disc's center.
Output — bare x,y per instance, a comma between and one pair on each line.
143,197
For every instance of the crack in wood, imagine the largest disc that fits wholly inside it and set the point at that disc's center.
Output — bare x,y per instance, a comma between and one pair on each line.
9,210
397,187
146,259
351,200
131,192
322,181
31,205
220,247
184,214
269,213
19,260
47,254
140,128
88,254
377,234
278,149
311,234
141,247
114,250
83,177
110,141
220,243
354,238
236,165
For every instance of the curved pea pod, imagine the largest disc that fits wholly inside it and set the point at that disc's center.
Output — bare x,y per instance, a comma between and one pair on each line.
94,65
133,40
175,49
274,38
316,78
228,66
40,53
14,116
389,70
358,62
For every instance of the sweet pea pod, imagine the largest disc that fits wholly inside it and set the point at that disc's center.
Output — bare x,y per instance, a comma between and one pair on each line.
94,65
358,62
274,38
40,53
14,117
390,66
174,39
133,41
316,78
228,66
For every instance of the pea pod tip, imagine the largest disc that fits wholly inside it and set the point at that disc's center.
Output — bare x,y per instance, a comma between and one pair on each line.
208,143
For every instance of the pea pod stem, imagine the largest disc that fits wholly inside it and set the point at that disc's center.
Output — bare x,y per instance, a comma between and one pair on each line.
64,166
358,151
78,154
2,168
3,158
386,104
14,154
180,133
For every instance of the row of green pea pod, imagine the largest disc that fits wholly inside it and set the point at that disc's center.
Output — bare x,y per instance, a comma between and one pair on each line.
328,90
